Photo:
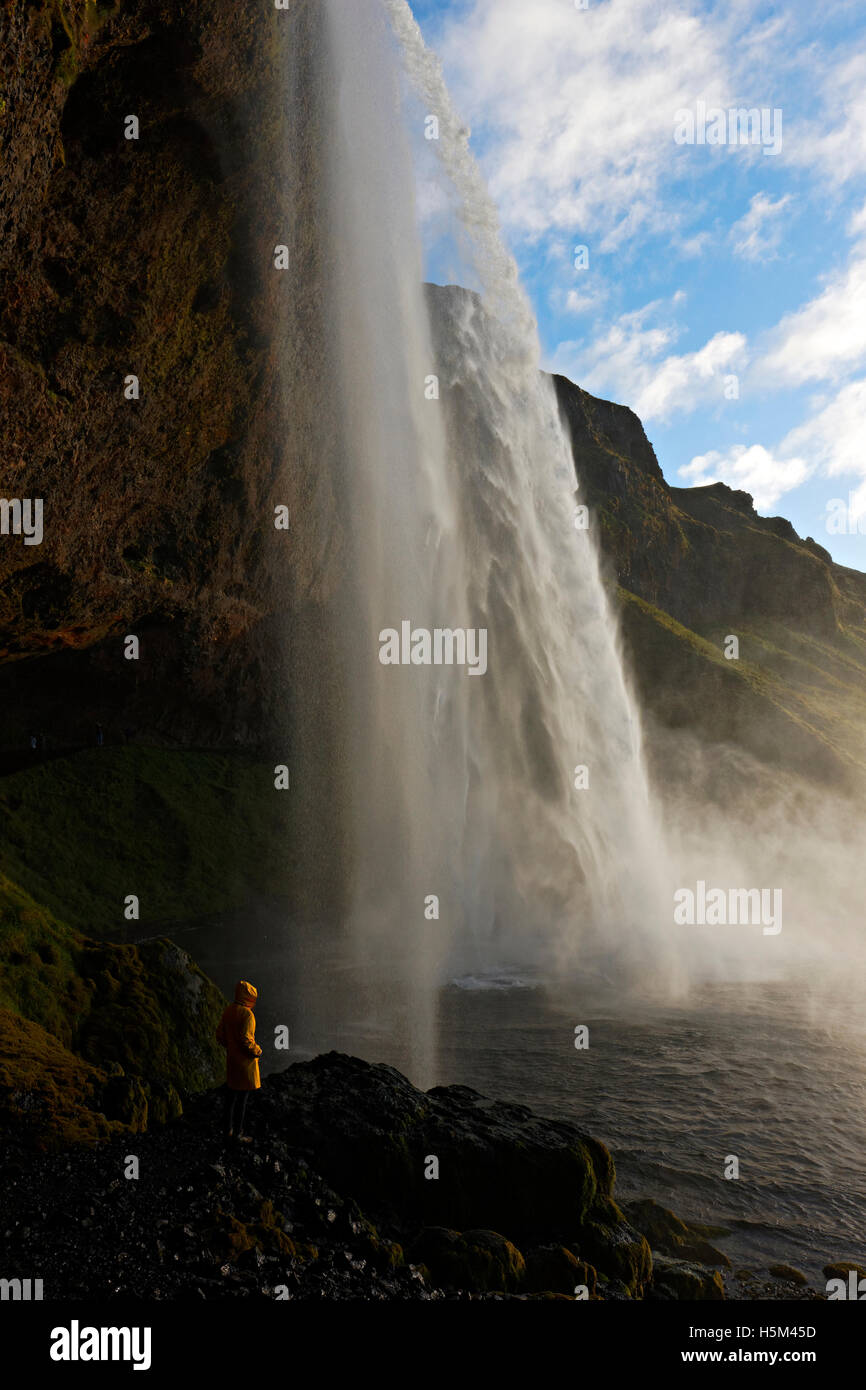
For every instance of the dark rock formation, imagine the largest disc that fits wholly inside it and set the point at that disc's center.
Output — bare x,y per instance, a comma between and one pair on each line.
154,257
331,1201
665,1232
505,1175
692,566
371,1130
481,1260
676,1279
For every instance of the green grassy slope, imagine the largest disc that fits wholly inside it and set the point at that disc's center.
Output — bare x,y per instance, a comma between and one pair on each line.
189,833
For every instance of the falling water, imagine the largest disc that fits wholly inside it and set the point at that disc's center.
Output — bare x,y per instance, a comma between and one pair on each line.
462,514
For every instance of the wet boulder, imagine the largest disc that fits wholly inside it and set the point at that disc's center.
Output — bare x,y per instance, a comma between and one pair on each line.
667,1233
677,1279
556,1269
380,1140
483,1261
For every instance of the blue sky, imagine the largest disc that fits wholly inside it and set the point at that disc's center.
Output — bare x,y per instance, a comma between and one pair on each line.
725,293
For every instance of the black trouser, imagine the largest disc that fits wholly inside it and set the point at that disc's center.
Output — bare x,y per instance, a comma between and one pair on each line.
235,1109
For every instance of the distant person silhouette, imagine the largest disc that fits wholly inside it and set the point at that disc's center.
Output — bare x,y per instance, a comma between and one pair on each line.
100,738
237,1034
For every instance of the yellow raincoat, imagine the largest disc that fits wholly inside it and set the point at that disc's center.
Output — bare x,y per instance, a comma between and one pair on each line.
237,1034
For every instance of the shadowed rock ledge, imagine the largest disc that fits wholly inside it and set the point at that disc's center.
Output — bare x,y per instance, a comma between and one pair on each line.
331,1200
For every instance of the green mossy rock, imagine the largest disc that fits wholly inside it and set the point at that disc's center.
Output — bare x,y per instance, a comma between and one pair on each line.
230,1238
190,829
483,1261
667,1233
51,1097
788,1273
676,1279
840,1269
383,1254
96,1038
609,1243
555,1269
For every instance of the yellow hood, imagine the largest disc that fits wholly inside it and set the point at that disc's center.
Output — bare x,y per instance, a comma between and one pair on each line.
246,994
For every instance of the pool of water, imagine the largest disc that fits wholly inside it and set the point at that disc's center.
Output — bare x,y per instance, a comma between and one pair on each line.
773,1074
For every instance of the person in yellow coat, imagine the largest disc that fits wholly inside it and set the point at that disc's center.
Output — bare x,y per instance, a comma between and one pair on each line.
237,1034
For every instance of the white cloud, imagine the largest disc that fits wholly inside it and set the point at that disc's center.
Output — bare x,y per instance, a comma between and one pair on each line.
631,361
574,114
757,235
831,443
857,506
581,302
857,223
826,338
752,468
835,437
576,108
694,245
823,341
587,297
833,143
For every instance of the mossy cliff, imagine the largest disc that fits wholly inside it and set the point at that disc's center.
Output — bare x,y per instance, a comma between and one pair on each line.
96,1039
191,834
693,565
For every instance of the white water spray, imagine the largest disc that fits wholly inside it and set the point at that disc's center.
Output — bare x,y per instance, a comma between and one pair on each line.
462,516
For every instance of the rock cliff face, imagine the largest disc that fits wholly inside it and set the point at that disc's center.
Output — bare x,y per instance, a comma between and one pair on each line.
695,565
154,257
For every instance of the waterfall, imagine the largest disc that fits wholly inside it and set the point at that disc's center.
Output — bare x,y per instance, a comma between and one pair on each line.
460,515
